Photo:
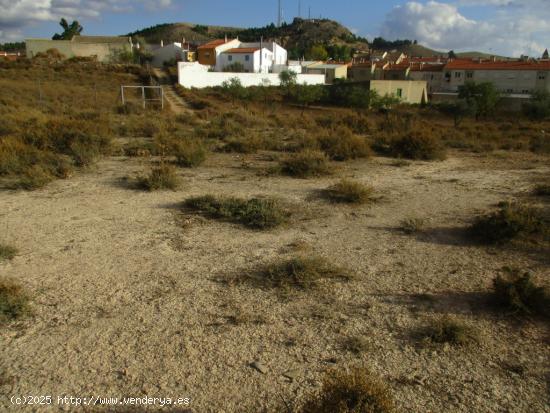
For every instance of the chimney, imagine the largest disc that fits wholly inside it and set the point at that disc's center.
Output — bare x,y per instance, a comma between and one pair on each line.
162,43
226,38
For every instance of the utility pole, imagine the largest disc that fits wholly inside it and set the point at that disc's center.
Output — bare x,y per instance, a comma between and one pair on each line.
309,13
279,14
300,8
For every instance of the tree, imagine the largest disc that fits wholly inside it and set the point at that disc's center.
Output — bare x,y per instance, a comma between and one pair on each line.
538,106
69,30
305,95
452,54
481,98
234,88
235,67
288,81
458,110
317,52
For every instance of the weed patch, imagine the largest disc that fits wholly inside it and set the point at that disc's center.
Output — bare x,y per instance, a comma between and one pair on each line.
450,331
515,291
305,164
349,192
417,145
357,391
13,301
7,252
256,213
163,176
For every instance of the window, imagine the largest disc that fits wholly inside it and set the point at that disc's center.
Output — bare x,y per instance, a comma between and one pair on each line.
509,90
542,76
230,58
458,75
470,75
247,58
206,54
399,93
525,91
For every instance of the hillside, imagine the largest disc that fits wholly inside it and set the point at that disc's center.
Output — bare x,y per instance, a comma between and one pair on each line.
298,37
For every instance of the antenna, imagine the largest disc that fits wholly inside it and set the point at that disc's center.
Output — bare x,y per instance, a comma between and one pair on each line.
309,13
279,15
299,8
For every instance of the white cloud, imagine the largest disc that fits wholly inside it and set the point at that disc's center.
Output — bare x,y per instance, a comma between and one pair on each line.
15,15
514,28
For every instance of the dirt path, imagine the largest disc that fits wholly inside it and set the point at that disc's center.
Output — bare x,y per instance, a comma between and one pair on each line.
177,104
127,299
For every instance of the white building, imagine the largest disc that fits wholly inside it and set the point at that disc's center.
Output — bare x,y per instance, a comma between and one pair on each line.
166,53
254,60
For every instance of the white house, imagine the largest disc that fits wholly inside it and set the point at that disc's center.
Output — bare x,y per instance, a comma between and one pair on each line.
165,53
254,60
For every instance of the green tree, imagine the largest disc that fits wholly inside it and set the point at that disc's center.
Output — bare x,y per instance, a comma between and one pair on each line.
69,30
317,52
235,67
452,54
305,95
288,82
482,98
538,106
234,88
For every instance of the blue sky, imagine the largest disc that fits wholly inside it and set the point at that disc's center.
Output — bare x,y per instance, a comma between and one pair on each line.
510,27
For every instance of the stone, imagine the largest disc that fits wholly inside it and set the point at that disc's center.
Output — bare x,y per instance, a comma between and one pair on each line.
259,367
292,374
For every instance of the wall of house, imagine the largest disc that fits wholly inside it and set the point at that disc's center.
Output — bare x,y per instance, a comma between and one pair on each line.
280,55
433,79
196,75
412,91
252,65
506,81
167,53
104,51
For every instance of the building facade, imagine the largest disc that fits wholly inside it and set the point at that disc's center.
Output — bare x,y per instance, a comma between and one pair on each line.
104,48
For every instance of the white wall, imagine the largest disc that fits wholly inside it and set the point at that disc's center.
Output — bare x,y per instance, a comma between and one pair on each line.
197,75
166,53
252,65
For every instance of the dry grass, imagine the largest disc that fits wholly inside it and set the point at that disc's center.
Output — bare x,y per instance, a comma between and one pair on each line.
417,145
305,164
7,252
357,391
298,273
349,192
258,213
163,176
512,220
13,301
515,291
450,331
412,225
341,145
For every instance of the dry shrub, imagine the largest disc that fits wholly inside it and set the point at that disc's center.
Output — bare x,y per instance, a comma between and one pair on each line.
258,213
450,331
189,153
13,301
7,252
356,344
250,143
540,143
302,273
163,176
542,189
515,291
417,145
305,164
341,144
512,220
412,225
349,192
357,391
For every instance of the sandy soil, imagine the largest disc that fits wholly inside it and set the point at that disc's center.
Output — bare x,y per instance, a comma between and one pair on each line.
128,301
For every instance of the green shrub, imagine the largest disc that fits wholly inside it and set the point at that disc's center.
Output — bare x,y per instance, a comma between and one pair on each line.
305,164
163,176
341,145
349,192
511,221
516,292
254,213
301,273
447,330
13,301
33,178
358,391
7,252
417,145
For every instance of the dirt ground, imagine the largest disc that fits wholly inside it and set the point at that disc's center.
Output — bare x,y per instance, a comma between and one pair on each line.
128,295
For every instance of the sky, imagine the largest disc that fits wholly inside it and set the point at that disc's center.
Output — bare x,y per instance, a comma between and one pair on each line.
503,27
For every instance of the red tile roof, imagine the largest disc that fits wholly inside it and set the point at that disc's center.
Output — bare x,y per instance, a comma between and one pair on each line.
243,50
212,44
417,67
460,64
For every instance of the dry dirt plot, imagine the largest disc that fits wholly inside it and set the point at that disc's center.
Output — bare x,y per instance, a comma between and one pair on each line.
130,294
